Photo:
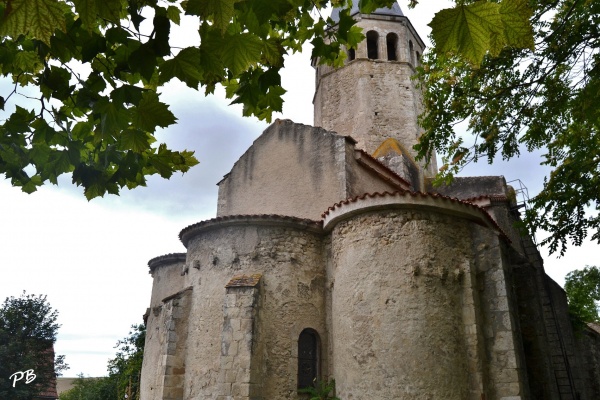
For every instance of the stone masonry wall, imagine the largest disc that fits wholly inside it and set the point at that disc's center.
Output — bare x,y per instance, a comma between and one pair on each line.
164,366
372,100
168,281
399,307
305,160
237,341
542,384
504,365
289,257
587,341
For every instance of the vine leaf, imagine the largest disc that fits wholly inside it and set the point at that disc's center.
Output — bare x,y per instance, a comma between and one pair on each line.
38,18
472,30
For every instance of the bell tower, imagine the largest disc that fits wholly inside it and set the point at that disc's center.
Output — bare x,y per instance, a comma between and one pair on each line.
372,97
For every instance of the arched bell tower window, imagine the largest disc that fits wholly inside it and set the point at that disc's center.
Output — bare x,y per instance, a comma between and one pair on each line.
418,58
411,52
372,39
308,358
392,41
351,54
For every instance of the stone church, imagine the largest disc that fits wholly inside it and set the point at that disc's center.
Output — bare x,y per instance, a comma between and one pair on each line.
333,257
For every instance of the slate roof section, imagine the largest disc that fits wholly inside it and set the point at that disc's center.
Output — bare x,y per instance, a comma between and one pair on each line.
395,11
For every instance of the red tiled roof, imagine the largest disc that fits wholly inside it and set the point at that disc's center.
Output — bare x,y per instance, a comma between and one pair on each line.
383,166
454,200
167,258
490,197
186,232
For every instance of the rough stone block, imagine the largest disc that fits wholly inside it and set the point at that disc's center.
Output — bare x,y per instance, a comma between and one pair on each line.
230,376
241,390
173,393
174,381
508,375
224,389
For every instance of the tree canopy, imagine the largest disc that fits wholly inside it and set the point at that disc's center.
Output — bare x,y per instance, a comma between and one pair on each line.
522,99
124,373
28,331
99,66
583,292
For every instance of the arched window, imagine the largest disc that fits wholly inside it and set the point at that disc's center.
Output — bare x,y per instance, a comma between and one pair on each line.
391,40
351,54
372,39
418,58
308,358
411,52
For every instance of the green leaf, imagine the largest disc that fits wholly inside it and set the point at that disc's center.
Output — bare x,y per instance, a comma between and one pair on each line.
185,66
143,60
37,18
474,29
466,29
32,184
111,10
151,113
272,53
516,15
113,117
136,140
87,11
220,12
241,51
55,83
27,61
174,14
19,121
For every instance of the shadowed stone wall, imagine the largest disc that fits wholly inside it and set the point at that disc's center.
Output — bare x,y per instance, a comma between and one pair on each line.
397,306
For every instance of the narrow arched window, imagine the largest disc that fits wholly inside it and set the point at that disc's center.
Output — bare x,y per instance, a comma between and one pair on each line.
351,54
392,41
308,358
418,58
411,52
372,39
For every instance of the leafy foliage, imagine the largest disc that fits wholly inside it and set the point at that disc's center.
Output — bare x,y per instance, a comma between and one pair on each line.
322,390
126,367
99,66
28,331
103,388
124,372
472,30
583,293
543,99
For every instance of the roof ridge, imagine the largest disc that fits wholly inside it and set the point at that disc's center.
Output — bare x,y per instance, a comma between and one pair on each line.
364,196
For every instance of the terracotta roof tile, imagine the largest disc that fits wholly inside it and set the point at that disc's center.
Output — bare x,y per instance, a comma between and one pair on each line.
383,166
164,259
490,197
356,199
187,232
244,281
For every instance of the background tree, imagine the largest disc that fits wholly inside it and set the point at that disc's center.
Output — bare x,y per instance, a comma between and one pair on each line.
28,331
99,66
124,373
583,293
522,99
126,367
103,388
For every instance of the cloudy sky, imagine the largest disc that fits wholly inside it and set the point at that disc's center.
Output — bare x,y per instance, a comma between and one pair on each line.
90,258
